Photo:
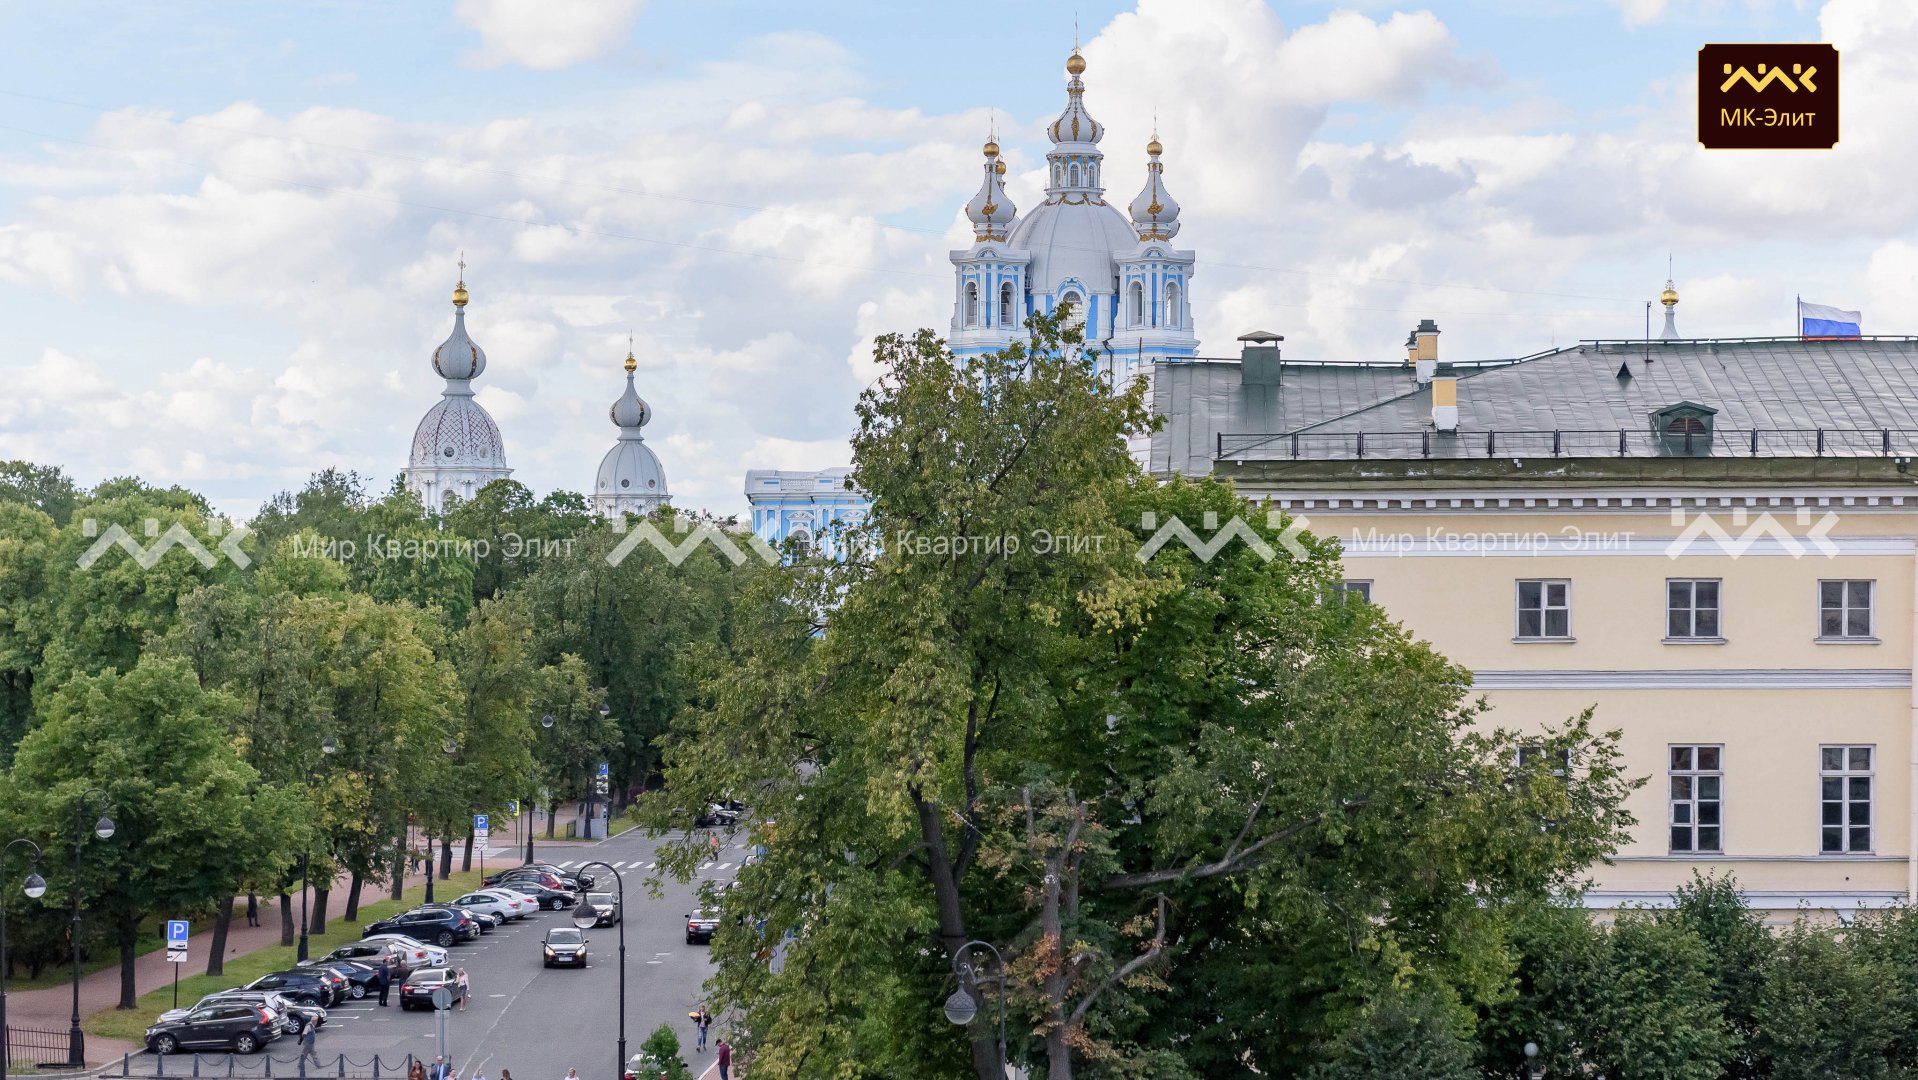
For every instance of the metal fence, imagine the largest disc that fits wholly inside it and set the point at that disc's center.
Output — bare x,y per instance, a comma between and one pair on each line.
35,1049
1413,445
261,1066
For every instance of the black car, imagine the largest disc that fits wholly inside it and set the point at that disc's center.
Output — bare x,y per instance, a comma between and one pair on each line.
525,873
314,986
398,959
417,991
564,945
298,1014
606,905
233,1025
579,878
716,816
553,899
485,924
361,978
441,926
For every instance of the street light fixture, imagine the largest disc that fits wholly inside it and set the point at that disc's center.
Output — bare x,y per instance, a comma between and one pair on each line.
962,1007
1536,1071
327,747
35,887
103,828
585,917
546,722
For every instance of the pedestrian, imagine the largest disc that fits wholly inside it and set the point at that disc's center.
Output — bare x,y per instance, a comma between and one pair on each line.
702,1020
252,908
478,1074
725,1060
417,1071
440,1070
384,976
506,1074
461,982
308,1039
715,844
572,1074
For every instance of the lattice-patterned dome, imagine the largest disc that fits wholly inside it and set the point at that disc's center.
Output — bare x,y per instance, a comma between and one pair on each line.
458,433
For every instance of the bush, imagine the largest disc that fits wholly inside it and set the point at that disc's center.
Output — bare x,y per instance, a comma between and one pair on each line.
1424,1035
660,1054
1827,1008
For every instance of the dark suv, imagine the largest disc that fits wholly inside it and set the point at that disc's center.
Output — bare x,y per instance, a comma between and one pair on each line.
314,986
243,1028
441,926
369,953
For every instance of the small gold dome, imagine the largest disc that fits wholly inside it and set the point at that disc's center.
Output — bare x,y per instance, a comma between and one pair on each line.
1076,64
1668,297
992,148
999,168
459,295
1154,148
632,364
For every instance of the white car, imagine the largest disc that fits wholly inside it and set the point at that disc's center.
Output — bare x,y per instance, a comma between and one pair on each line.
423,955
527,904
490,902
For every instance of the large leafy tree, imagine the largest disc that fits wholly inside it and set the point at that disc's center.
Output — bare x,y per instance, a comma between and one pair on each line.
1123,769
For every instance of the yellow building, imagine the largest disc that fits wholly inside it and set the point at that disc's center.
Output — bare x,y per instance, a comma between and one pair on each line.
1711,541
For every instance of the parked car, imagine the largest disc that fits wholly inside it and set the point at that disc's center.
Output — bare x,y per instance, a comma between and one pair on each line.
418,953
296,1013
607,906
361,978
486,923
241,1028
564,945
700,926
539,877
545,896
441,926
417,991
497,905
399,958
528,903
314,986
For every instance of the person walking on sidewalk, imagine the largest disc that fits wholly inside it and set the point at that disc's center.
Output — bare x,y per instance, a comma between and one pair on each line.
440,1070
417,1072
252,908
701,1021
725,1060
460,980
383,975
308,1039
572,1074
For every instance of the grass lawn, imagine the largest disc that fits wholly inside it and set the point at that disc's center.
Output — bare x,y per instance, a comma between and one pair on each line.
131,1024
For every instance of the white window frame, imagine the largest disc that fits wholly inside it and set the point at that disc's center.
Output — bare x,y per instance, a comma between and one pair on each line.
1544,609
1845,609
1845,775
969,303
1691,802
1362,587
1718,610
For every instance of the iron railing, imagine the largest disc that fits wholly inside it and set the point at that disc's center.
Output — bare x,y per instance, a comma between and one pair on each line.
260,1067
1413,445
35,1049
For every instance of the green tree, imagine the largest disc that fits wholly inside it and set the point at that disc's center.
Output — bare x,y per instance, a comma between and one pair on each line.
45,488
494,672
1738,948
1827,1008
27,539
1399,1036
659,1056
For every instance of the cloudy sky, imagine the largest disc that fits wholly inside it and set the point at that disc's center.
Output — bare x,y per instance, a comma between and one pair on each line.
228,231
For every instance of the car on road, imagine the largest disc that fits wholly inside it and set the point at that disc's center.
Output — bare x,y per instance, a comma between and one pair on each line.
241,1028
543,895
716,816
314,986
441,926
417,991
399,959
418,953
701,924
564,945
607,905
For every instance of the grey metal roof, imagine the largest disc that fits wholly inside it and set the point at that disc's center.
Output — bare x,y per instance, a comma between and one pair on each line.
1859,394
1201,398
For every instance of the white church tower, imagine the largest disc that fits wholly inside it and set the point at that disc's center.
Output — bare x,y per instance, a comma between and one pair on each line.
1127,285
630,480
457,448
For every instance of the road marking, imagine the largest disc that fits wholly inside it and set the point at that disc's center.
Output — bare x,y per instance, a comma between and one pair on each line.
724,866
706,867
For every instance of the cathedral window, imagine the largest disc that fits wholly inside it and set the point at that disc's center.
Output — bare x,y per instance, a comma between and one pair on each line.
1135,307
1076,316
1008,315
1172,305
972,304
1075,176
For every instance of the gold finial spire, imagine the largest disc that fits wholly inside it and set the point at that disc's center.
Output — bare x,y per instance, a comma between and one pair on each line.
1075,64
459,289
1153,147
632,364
1670,296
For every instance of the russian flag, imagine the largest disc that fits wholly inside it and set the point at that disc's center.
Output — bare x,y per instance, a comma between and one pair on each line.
1819,321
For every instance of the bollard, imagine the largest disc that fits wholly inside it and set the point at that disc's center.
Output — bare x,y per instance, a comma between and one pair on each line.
126,1064
267,1059
196,1064
159,1064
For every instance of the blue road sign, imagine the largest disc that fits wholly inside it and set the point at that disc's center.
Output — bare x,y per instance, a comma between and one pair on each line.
512,808
176,933
603,768
479,823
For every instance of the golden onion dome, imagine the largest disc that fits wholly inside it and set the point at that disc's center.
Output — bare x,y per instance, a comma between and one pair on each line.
1154,148
632,364
999,168
459,295
1669,296
992,148
1075,64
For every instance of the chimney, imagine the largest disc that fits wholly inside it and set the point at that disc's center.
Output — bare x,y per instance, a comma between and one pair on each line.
1411,348
1259,358
1424,343
1445,404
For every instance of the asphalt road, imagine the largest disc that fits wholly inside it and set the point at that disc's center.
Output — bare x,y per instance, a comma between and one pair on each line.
538,1022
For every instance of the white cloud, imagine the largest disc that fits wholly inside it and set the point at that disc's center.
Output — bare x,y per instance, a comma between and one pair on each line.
546,34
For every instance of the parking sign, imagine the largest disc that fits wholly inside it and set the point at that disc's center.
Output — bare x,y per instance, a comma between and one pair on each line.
176,939
479,823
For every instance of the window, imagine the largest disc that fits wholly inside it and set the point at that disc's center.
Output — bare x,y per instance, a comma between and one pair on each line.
1077,316
1844,781
1844,609
1135,308
1008,314
1360,590
1697,796
1544,609
1691,609
1561,758
1075,176
1172,305
972,304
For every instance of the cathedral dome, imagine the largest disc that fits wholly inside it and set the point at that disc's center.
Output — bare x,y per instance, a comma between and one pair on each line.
458,357
457,449
458,433
630,478
1073,241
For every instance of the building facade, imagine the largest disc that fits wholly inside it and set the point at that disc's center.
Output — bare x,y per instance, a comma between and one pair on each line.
457,449
809,508
1714,543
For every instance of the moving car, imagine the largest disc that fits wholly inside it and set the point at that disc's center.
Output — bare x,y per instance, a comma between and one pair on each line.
313,986
399,958
439,925
700,926
564,945
417,991
418,953
606,905
239,1027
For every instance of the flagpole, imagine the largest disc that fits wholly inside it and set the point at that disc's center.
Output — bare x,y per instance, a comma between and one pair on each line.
1798,316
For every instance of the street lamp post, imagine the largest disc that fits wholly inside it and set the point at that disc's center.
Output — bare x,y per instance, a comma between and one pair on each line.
961,1008
327,746
103,828
586,916
35,888
545,722
452,747
1532,1067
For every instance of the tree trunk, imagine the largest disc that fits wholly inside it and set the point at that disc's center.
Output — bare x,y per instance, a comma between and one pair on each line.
216,952
466,861
552,812
446,860
353,897
129,937
317,924
399,865
286,920
952,926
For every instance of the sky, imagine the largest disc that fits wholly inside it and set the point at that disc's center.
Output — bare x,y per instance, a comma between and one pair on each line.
229,232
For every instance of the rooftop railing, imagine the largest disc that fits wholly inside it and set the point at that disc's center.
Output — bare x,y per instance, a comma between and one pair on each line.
1414,445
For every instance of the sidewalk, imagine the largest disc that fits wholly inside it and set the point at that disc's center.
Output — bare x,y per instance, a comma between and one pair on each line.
51,1008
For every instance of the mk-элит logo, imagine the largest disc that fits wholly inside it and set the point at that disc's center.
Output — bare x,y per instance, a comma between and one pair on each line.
1768,97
